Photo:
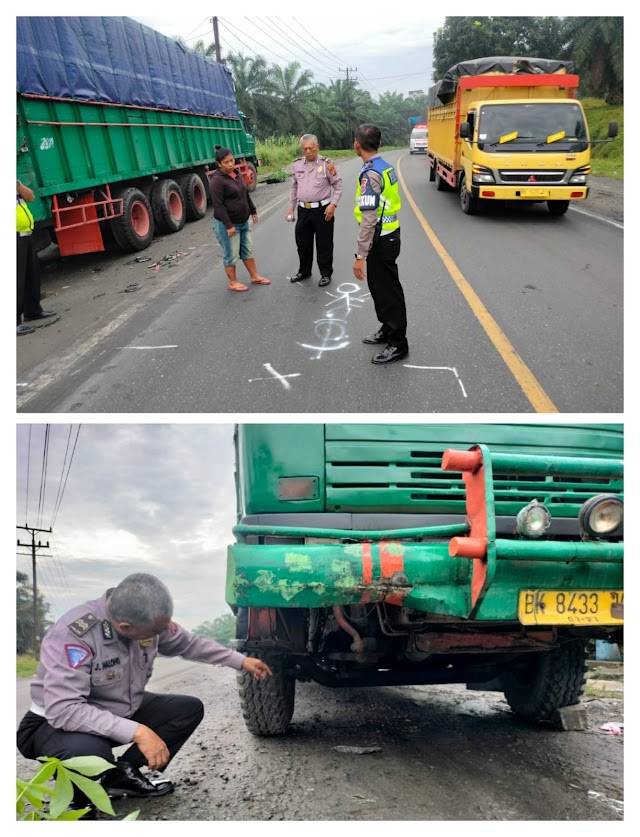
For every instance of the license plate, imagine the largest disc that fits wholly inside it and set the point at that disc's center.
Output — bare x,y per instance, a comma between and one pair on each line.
570,607
535,193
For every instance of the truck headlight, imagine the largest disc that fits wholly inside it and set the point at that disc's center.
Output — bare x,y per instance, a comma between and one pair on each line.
533,520
481,174
601,515
580,175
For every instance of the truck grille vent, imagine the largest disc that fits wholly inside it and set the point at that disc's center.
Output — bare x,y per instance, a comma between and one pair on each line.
523,178
392,482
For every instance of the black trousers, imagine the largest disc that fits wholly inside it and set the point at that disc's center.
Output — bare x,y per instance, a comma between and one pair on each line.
172,717
311,223
383,279
28,269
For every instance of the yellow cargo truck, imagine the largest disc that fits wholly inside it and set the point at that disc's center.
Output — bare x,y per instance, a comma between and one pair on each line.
510,129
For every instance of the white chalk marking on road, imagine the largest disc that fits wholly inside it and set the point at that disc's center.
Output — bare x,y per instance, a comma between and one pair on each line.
346,291
324,329
440,369
23,385
276,376
149,347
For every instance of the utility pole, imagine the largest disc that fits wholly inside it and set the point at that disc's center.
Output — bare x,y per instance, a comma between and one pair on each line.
36,621
216,39
347,71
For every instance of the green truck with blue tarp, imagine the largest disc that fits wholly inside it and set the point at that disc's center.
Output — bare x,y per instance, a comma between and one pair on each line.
397,554
117,127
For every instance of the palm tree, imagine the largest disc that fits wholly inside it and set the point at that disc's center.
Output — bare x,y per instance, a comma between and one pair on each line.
324,117
290,88
596,45
251,79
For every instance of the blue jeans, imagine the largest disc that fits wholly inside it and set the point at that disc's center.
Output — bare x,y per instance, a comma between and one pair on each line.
238,246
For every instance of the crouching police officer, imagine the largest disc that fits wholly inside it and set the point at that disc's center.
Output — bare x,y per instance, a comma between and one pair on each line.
376,211
88,695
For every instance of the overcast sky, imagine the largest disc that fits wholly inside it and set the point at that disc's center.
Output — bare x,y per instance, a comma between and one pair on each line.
384,52
155,498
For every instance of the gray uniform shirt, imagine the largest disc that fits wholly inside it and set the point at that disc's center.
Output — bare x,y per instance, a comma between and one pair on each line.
92,680
317,181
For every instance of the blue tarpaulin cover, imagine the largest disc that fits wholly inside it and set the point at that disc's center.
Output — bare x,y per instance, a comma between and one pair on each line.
121,61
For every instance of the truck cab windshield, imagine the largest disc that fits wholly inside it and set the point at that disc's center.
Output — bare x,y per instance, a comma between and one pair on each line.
532,127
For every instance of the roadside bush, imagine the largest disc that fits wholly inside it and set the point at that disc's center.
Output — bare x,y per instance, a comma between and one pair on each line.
36,800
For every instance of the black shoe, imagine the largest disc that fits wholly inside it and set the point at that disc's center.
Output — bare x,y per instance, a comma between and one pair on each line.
92,813
299,277
378,337
390,354
41,315
324,280
127,780
25,329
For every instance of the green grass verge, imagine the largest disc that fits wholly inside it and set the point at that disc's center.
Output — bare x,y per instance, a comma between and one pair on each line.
26,666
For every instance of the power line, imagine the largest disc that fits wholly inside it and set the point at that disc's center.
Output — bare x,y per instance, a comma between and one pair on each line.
255,40
57,509
26,502
377,92
43,475
284,35
55,504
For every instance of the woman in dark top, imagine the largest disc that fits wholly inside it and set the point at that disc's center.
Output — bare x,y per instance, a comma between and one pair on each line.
232,206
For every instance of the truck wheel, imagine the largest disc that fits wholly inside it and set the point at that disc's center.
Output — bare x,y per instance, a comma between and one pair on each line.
557,207
168,206
195,195
441,183
468,203
252,177
546,681
133,230
267,705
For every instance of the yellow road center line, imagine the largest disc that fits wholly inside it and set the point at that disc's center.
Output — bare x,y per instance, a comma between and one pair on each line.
538,398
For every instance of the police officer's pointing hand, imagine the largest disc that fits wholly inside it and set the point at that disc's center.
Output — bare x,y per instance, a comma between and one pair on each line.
256,667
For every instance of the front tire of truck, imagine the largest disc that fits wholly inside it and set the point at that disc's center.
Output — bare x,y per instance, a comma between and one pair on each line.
557,207
195,195
168,206
267,705
546,681
468,203
441,183
134,229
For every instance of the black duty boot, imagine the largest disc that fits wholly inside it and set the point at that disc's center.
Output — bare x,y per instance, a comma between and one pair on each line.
299,277
127,780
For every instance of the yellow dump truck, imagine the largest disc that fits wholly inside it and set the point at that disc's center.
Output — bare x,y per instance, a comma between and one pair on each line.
510,129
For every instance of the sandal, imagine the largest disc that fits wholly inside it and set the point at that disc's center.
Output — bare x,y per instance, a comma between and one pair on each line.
237,288
261,281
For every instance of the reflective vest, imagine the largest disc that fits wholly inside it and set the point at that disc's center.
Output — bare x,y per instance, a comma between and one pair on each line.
24,218
388,202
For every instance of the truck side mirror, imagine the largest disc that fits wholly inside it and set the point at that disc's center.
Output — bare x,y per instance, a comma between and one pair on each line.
613,129
465,130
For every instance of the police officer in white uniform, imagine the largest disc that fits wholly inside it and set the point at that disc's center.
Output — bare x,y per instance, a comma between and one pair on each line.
316,188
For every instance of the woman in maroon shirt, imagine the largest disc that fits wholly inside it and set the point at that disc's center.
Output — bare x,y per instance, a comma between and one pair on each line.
232,206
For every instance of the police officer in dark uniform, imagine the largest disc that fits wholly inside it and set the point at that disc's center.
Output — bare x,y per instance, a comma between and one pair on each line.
316,188
377,206
88,695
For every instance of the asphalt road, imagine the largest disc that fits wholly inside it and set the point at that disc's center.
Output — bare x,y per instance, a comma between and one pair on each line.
436,753
510,311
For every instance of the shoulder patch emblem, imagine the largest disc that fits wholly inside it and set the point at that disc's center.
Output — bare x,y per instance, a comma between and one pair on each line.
83,624
332,168
107,630
76,655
